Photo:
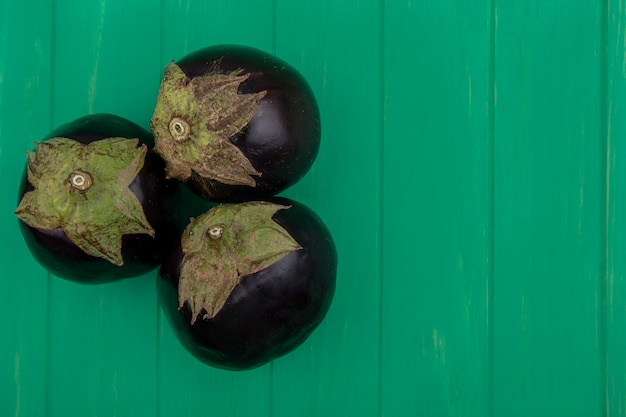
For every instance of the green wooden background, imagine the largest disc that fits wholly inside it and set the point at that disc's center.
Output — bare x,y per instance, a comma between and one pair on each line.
472,171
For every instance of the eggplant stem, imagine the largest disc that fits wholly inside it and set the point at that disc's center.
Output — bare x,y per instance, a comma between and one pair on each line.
81,180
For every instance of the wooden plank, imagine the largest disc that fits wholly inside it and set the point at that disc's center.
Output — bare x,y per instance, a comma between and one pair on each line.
549,210
189,25
615,131
330,42
187,387
436,208
25,96
104,338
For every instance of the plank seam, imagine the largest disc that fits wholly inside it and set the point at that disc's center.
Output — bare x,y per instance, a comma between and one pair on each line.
491,103
606,165
381,205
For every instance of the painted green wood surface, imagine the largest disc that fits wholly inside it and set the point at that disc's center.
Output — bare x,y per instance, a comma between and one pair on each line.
436,208
549,201
472,171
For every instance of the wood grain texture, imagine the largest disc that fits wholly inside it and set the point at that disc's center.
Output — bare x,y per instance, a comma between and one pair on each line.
25,97
549,210
615,130
436,209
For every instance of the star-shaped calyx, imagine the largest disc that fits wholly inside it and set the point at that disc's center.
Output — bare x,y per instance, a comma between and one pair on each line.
224,245
84,190
194,120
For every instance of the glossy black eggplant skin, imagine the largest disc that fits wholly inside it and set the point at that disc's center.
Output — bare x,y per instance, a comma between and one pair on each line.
158,197
270,312
282,139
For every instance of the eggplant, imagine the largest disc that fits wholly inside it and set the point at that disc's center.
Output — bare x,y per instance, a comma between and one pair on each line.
249,282
235,123
94,203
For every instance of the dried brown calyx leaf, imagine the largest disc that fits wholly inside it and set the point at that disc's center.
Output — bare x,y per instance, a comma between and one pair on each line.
84,190
224,245
194,120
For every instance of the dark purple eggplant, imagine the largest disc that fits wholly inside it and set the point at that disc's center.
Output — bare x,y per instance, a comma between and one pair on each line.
249,282
94,204
235,123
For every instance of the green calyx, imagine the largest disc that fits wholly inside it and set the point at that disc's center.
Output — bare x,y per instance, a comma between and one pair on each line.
194,120
84,190
224,245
